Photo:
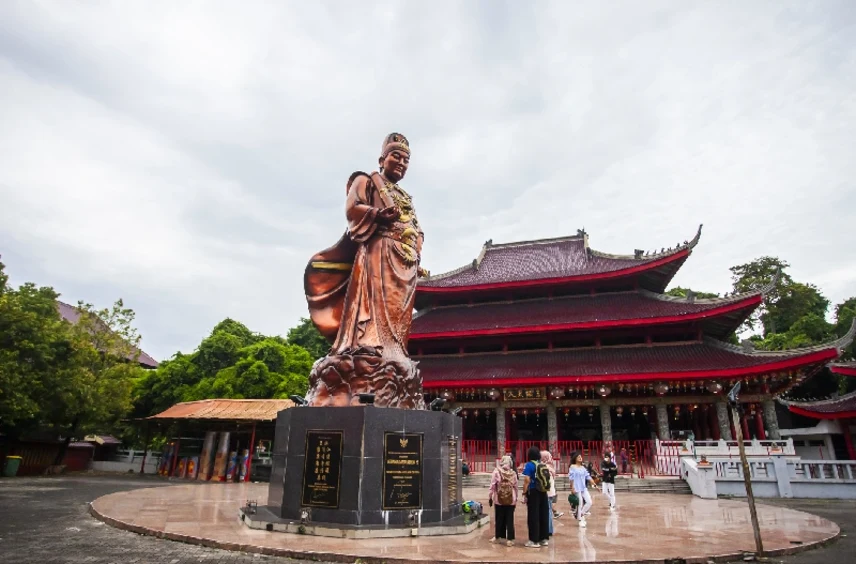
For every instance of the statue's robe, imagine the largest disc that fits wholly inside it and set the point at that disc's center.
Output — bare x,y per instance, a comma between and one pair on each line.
361,291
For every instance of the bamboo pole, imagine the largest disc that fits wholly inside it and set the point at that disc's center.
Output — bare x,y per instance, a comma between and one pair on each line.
747,478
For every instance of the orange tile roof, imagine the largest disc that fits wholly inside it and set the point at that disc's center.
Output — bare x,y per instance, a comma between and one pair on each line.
226,409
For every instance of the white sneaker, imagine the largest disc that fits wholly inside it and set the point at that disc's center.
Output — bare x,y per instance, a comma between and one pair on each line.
544,543
612,508
510,543
492,540
530,544
582,523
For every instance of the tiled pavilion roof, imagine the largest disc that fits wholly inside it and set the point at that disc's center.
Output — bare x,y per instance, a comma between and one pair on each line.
550,259
576,312
226,409
707,359
834,408
71,314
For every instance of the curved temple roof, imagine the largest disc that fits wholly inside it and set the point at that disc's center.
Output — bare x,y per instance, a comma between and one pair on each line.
845,368
707,359
550,260
71,314
577,312
843,407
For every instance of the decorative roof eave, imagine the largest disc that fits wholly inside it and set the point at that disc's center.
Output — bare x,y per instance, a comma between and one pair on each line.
835,346
843,407
783,364
728,306
647,262
639,254
844,368
759,293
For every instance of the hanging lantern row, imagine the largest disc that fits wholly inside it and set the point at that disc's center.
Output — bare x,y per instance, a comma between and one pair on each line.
660,388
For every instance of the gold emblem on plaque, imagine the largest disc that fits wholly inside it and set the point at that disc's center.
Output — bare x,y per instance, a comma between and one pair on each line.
403,442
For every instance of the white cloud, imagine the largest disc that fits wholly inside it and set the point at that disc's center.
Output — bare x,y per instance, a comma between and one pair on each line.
190,158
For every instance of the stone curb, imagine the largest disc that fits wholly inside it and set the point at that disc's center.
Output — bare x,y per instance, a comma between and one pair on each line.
353,559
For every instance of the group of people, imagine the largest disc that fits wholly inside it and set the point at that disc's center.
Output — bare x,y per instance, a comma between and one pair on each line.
539,494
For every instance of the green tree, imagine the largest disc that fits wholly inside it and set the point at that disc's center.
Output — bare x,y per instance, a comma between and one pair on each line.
37,353
785,303
107,345
232,362
681,292
307,336
267,369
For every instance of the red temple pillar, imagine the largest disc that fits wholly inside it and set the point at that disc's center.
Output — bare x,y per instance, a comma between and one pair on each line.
848,438
713,422
744,425
759,425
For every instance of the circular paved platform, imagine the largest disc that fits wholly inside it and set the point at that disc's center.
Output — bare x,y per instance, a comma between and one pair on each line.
646,528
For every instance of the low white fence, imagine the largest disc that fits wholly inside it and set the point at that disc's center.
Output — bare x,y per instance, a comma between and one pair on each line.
776,476
128,460
723,448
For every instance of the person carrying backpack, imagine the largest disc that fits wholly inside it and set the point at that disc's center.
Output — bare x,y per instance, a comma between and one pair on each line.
503,496
536,485
547,458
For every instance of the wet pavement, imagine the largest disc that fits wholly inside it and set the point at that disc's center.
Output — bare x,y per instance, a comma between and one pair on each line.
645,527
46,520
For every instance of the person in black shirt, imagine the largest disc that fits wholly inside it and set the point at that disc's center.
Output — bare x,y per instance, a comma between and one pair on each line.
608,471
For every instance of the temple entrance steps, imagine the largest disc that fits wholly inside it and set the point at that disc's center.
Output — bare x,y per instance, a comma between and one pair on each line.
660,485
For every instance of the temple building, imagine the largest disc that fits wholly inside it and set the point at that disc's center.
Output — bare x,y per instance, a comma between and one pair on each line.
836,416
555,342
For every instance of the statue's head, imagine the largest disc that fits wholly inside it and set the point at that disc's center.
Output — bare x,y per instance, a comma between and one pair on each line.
394,156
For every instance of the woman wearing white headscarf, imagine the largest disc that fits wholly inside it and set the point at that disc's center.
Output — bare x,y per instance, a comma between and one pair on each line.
503,495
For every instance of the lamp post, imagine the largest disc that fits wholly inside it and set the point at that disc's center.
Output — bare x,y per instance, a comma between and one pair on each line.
747,478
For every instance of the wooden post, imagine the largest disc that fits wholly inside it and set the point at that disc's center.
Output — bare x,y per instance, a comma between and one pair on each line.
848,438
145,450
747,480
175,455
251,451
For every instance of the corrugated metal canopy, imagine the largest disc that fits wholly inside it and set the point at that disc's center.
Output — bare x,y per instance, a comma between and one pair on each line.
226,409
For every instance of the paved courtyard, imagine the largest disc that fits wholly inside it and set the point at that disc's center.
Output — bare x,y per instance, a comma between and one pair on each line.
45,520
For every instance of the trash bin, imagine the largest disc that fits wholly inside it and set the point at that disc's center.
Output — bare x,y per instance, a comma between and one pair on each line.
10,469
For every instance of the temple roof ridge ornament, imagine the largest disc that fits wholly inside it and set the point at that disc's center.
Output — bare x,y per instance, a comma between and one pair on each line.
652,255
832,398
838,344
725,299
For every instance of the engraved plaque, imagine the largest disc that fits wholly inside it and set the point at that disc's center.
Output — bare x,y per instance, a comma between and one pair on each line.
322,469
402,471
452,486
516,394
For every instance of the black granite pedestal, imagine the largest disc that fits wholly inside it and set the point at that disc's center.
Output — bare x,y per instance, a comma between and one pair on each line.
366,466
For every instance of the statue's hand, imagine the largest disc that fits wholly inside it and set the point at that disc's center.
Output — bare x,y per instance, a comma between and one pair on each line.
422,273
388,215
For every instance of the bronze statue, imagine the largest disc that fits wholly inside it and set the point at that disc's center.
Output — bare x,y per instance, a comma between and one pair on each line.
361,292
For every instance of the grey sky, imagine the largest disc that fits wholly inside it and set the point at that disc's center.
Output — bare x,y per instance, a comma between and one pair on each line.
191,157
